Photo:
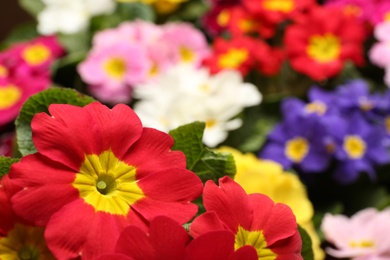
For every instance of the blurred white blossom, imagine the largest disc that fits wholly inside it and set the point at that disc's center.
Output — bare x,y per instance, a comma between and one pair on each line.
70,16
185,94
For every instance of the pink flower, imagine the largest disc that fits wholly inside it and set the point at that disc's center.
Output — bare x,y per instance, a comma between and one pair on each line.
380,52
112,71
363,236
188,44
139,31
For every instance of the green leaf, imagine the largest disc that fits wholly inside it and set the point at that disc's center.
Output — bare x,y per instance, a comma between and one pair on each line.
188,139
132,11
40,103
214,165
5,164
77,42
307,250
32,6
207,164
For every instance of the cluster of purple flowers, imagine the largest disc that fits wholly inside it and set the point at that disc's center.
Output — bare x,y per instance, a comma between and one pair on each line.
348,128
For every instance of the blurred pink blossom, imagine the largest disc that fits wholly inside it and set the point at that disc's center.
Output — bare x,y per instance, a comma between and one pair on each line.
112,70
146,49
364,236
380,52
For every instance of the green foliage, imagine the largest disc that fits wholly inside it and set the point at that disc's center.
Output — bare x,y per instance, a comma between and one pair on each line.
21,33
307,251
5,164
207,164
123,12
40,103
32,6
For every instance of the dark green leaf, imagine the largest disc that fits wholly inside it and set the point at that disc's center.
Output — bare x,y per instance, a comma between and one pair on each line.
188,139
40,103
307,251
214,165
5,164
207,164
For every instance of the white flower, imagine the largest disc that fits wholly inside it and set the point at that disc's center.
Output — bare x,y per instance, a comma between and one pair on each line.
70,16
185,94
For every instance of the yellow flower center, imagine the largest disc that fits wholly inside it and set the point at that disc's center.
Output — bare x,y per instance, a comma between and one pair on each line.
316,107
36,54
387,17
247,25
3,71
284,6
324,48
362,244
296,149
186,54
115,68
387,124
108,184
365,104
205,88
223,18
154,70
233,58
354,146
351,9
24,243
9,96
210,123
257,240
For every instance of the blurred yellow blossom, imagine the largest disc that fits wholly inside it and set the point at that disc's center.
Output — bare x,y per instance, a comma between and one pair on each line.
267,177
162,6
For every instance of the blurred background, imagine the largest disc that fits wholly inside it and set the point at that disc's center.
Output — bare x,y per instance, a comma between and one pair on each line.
14,16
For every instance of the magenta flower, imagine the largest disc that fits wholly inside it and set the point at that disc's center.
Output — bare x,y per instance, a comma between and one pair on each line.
13,94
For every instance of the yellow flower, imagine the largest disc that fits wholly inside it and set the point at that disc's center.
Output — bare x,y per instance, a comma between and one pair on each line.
162,6
267,177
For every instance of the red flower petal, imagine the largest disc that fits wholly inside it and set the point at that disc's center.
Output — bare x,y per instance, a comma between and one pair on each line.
289,248
49,199
276,220
152,152
245,252
168,238
66,138
214,245
180,212
115,256
135,243
206,222
93,234
229,201
184,185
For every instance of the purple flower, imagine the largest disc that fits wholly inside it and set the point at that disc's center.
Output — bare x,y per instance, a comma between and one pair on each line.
359,147
355,96
301,143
